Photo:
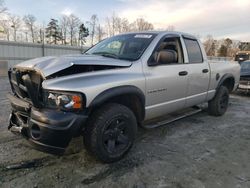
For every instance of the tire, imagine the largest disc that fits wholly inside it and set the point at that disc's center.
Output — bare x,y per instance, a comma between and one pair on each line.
110,132
218,105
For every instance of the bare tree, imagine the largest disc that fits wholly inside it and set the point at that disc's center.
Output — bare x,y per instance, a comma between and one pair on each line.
170,28
3,9
100,33
29,21
141,24
126,26
6,28
228,43
235,47
115,25
93,23
41,34
118,24
225,49
16,23
64,24
73,24
111,25
4,24
108,27
210,45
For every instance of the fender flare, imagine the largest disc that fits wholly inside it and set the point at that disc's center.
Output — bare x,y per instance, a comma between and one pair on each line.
116,91
224,77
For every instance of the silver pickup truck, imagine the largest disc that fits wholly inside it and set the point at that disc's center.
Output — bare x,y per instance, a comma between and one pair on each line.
104,94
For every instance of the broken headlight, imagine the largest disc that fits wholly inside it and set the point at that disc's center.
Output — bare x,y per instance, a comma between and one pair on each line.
63,100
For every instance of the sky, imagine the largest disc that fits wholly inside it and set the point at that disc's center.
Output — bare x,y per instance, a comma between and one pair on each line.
219,18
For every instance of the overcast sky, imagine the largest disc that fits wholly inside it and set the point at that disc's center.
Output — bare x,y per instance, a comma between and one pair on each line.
220,18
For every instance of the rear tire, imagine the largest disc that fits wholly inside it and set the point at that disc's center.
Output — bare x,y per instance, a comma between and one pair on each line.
218,105
110,132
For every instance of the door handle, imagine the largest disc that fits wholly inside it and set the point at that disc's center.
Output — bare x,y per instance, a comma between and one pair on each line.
205,70
183,73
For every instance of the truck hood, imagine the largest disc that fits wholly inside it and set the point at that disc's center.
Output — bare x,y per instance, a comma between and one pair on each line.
47,66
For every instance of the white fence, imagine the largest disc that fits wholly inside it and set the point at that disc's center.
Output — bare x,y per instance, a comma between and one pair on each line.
12,53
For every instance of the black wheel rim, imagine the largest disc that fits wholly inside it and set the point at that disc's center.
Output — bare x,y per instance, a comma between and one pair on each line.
116,136
224,102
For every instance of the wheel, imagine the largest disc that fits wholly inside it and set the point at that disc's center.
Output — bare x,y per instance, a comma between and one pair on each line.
110,132
218,105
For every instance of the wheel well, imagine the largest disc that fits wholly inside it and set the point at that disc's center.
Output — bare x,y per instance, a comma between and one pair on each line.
229,83
131,101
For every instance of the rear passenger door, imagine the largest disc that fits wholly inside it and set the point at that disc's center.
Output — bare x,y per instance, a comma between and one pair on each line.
198,73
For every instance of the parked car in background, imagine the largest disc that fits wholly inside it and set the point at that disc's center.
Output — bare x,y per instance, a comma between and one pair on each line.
242,56
245,76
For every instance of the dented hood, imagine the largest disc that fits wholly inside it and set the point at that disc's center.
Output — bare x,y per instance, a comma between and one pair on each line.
50,65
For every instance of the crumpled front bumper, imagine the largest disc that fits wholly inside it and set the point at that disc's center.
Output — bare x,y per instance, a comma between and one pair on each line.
46,129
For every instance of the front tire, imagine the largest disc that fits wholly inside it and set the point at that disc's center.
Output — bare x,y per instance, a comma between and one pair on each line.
110,132
219,104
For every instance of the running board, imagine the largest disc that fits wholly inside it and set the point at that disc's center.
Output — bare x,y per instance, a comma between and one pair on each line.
171,118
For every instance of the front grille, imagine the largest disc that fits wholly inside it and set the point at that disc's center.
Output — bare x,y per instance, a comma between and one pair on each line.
17,84
29,92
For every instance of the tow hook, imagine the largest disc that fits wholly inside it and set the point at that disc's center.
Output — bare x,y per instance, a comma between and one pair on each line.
13,127
16,129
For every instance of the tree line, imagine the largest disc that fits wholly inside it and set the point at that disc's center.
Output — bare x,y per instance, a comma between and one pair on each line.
223,47
66,30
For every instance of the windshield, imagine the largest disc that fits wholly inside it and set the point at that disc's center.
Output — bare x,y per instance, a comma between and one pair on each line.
128,46
245,65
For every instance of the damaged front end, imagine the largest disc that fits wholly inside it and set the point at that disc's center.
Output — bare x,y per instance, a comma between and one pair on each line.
50,118
26,93
46,128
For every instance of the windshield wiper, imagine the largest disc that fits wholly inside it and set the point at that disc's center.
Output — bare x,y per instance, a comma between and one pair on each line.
106,54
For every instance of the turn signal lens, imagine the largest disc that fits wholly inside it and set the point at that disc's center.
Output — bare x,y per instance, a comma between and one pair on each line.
77,102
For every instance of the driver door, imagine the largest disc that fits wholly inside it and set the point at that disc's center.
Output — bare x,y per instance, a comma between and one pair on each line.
166,83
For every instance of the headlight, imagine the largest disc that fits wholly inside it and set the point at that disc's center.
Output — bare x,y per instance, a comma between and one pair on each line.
63,100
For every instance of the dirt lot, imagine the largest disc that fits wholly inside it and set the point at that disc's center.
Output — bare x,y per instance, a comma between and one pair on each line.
198,151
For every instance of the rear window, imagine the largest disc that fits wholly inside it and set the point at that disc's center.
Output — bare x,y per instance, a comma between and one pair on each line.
193,50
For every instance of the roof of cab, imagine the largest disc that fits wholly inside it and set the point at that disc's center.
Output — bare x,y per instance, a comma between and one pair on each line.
162,33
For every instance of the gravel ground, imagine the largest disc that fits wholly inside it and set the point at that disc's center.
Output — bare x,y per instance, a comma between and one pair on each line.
195,152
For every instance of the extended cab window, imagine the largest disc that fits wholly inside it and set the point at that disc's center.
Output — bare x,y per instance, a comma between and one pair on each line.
168,51
193,50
